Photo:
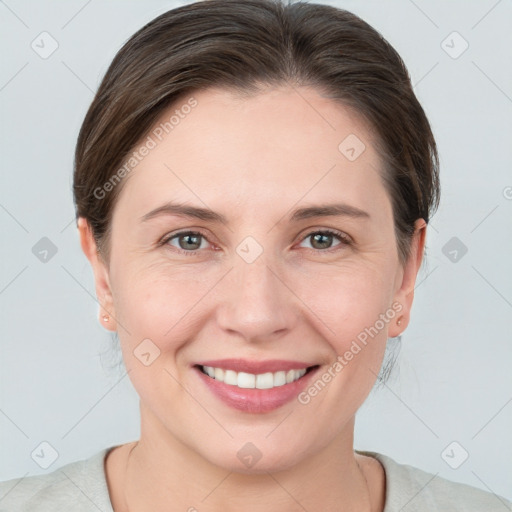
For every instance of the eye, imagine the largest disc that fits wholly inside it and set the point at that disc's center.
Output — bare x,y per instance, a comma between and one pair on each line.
188,241
321,240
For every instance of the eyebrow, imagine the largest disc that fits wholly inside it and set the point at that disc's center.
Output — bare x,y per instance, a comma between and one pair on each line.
194,212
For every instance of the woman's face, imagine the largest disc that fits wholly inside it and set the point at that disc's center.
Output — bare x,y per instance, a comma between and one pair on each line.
260,292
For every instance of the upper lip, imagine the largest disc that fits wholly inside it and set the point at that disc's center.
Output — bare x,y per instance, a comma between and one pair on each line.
256,367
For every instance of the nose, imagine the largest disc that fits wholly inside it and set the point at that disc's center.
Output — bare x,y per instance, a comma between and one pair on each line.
256,303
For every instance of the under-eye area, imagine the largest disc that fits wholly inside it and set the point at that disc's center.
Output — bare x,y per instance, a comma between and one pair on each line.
319,240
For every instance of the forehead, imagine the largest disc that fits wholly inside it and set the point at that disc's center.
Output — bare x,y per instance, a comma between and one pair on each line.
268,149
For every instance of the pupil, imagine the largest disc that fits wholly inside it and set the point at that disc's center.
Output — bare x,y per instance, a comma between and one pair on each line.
317,238
321,239
188,238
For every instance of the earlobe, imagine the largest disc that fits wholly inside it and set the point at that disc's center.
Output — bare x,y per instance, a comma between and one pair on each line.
101,275
404,294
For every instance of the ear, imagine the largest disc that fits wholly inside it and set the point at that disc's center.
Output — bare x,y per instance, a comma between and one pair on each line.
101,275
406,279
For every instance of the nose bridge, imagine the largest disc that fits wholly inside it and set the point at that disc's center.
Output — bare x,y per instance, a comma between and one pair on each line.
256,304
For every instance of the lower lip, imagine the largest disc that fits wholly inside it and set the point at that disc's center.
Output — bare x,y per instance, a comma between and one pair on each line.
256,400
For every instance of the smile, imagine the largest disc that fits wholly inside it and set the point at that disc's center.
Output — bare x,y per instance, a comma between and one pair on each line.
255,386
245,380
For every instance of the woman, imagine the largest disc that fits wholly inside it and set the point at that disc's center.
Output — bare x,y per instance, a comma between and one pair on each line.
253,184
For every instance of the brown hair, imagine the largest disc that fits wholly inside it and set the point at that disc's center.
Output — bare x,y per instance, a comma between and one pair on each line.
242,45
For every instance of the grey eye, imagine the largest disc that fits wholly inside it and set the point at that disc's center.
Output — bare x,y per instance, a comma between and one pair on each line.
321,240
188,241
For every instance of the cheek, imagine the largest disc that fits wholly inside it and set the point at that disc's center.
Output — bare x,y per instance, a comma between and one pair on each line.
167,303
350,300
162,301
158,304
353,310
155,310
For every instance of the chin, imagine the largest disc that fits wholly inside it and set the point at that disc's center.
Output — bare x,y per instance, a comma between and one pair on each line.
254,458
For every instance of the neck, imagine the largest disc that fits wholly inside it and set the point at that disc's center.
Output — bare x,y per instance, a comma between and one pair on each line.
161,472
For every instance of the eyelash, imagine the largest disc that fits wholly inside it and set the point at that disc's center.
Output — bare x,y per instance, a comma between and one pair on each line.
344,239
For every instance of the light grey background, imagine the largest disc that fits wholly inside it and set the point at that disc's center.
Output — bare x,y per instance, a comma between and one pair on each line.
453,381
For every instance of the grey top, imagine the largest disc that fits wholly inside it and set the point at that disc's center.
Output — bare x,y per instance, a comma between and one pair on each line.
82,486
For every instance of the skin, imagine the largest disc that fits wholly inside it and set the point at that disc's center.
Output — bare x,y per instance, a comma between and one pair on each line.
254,160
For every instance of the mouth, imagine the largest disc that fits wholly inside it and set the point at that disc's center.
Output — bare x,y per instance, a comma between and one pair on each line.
245,380
255,387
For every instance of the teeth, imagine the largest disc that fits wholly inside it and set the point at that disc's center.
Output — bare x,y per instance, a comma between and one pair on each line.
246,380
265,380
279,378
231,378
250,381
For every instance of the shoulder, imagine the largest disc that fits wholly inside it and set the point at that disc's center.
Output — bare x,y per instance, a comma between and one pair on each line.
79,486
411,489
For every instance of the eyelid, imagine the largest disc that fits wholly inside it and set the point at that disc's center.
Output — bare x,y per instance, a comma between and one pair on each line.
190,231
344,239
